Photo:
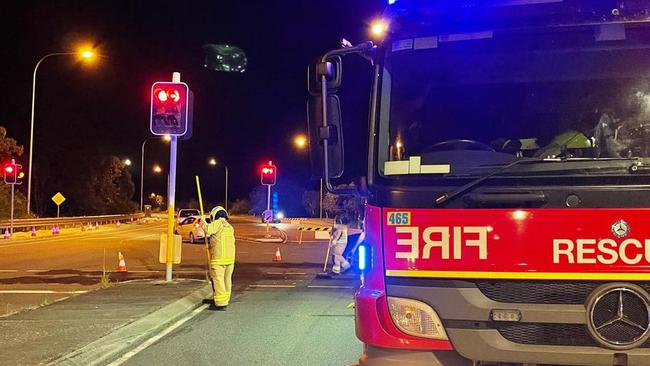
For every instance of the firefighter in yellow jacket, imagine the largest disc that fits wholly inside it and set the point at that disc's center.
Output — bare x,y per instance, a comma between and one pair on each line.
222,256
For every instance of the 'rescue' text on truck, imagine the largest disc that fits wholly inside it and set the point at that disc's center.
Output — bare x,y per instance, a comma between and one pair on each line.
508,170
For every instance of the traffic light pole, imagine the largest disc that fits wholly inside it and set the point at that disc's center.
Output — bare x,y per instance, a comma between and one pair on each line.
11,222
268,207
171,197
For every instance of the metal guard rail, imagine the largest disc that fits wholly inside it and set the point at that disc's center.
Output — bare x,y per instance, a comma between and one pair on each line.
69,221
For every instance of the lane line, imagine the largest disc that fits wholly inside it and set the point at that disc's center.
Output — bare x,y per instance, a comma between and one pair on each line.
8,270
155,338
273,286
41,292
330,286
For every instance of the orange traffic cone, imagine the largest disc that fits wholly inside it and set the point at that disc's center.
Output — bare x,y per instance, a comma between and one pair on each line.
121,265
278,256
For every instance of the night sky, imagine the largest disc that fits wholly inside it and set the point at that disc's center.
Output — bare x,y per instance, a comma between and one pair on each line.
241,119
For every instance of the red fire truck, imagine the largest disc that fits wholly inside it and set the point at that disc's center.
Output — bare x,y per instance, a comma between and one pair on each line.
508,173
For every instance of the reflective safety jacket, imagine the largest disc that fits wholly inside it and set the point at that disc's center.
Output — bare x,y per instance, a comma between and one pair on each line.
222,242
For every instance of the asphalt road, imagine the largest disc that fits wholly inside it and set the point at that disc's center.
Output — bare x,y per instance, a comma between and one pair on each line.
38,271
308,322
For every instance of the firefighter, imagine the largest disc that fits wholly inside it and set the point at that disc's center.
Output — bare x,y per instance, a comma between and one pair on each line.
338,244
221,237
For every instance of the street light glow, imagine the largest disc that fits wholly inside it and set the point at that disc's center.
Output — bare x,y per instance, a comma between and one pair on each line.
127,162
300,141
87,54
212,161
379,28
167,138
157,169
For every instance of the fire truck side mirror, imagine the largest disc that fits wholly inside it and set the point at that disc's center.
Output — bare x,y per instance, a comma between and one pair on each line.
333,133
333,70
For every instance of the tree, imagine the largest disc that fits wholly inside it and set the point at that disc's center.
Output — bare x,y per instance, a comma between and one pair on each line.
240,207
9,149
346,208
310,202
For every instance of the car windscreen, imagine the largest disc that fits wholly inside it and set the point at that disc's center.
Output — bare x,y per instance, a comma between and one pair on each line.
488,99
186,213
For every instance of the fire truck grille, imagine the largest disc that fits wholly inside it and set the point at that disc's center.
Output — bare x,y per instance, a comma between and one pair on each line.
550,334
541,292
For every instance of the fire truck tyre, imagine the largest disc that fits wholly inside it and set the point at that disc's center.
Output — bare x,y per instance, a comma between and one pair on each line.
374,356
459,145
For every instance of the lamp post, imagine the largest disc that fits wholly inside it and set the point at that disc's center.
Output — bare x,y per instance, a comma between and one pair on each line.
213,162
86,55
165,138
300,142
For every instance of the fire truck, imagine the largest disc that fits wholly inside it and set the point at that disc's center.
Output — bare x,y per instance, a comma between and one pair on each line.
508,181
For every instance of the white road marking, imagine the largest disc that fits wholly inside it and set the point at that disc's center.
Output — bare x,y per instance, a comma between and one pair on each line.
328,286
273,286
8,270
155,338
41,292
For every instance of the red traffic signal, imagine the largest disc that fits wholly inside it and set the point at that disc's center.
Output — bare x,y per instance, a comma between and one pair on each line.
268,174
11,172
170,106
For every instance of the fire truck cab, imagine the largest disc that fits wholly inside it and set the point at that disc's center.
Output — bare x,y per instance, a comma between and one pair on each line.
508,174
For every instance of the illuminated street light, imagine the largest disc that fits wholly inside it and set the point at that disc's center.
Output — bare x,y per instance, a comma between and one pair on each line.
213,162
165,138
127,162
157,169
85,54
379,28
300,141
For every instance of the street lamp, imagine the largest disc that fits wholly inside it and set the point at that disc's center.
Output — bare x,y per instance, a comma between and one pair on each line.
213,162
157,169
300,143
127,162
84,54
165,138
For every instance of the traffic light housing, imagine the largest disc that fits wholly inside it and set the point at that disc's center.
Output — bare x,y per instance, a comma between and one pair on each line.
10,171
268,174
170,108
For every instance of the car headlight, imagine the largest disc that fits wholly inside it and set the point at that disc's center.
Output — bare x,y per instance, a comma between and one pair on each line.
416,318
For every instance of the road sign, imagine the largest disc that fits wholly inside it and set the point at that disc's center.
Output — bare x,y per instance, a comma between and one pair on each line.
268,215
58,198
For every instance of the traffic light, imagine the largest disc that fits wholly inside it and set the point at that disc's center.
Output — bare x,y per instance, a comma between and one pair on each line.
170,106
10,173
268,174
21,175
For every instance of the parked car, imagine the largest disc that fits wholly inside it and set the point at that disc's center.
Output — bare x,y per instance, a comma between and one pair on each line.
189,228
185,213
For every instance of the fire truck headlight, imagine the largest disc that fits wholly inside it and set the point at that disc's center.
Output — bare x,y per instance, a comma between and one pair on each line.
416,318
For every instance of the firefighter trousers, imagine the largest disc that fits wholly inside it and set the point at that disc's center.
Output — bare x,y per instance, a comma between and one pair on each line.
221,282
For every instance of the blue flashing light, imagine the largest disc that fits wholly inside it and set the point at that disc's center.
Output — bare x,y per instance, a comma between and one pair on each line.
362,258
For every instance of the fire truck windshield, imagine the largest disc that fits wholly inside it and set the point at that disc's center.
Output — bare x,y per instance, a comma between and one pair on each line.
486,99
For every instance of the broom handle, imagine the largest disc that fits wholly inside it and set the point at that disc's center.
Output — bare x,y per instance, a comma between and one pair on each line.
205,233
